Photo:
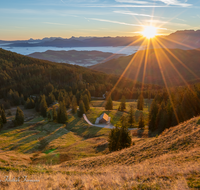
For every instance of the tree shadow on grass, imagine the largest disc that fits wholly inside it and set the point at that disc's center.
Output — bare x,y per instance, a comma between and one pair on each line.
41,138
81,128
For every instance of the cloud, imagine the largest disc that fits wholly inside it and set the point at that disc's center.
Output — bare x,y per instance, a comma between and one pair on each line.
167,23
143,15
115,22
175,2
122,5
55,23
122,23
132,1
132,13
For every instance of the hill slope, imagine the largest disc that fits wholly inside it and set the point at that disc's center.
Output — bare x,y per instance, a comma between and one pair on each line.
174,141
29,76
175,64
170,161
82,58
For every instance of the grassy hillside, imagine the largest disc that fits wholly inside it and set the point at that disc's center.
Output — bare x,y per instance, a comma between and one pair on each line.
176,65
169,161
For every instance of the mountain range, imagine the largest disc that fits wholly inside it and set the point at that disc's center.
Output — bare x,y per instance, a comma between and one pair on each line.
187,39
82,58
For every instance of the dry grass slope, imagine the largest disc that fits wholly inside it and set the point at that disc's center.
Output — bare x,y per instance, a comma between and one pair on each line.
170,161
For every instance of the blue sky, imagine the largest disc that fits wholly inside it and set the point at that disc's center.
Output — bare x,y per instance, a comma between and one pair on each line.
24,19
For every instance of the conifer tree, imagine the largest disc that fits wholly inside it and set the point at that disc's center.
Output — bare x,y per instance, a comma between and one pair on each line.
3,116
161,118
88,94
27,104
19,117
119,137
50,98
140,103
152,116
113,139
43,107
125,136
49,116
131,118
37,104
16,98
86,102
141,121
81,110
62,114
1,123
123,103
74,105
109,104
60,97
67,101
22,99
54,114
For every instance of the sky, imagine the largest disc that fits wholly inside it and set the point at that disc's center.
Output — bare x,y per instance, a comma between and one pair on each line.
25,19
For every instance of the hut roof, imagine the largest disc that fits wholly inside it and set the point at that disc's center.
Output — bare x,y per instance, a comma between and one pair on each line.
104,116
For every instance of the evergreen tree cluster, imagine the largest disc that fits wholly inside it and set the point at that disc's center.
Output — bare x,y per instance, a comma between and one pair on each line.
167,111
26,76
30,103
119,137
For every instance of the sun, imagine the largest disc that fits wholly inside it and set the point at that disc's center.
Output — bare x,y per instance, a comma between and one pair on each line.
149,32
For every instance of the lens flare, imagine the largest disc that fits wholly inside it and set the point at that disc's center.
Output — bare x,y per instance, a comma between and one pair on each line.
149,32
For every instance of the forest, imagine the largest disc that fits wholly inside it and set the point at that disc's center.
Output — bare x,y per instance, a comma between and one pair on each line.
22,78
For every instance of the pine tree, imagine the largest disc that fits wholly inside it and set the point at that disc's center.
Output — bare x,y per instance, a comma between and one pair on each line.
43,107
81,110
3,116
141,121
123,103
74,105
152,116
49,116
140,103
109,104
62,114
27,104
86,102
50,99
161,118
67,101
125,136
131,118
54,114
19,117
113,139
22,99
1,123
